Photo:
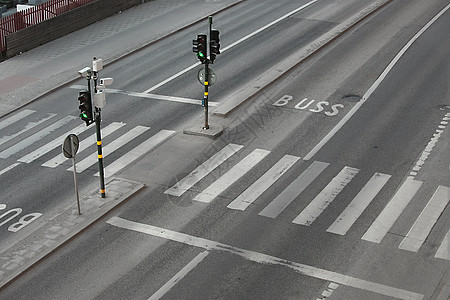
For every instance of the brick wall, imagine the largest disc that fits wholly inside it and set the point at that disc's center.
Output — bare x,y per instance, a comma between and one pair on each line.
63,24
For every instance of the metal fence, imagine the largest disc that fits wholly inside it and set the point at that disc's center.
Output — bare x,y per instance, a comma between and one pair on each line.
35,15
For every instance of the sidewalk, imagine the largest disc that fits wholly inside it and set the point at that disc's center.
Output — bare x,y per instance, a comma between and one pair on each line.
28,76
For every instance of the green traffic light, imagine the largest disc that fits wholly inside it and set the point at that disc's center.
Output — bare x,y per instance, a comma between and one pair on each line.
200,54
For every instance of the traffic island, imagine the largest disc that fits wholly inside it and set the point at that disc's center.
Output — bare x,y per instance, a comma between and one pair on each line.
213,131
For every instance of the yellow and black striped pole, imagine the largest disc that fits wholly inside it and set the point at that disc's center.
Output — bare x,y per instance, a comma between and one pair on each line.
99,142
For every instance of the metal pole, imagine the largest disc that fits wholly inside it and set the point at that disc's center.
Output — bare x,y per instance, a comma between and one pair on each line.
208,51
99,150
75,175
97,116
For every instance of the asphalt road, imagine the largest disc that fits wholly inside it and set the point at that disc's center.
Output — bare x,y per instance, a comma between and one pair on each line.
240,245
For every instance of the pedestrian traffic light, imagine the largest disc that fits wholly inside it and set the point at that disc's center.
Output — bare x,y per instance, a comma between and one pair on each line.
214,44
85,107
200,47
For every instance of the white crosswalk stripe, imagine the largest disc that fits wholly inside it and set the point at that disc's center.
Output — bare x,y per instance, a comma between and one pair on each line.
27,127
9,168
19,116
263,183
110,148
231,176
50,146
137,152
359,204
392,211
204,169
443,251
325,197
35,137
84,144
429,216
293,190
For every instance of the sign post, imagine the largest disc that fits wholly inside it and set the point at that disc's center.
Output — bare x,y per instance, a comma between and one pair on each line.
70,148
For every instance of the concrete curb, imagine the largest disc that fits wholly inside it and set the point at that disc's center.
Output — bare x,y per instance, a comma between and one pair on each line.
267,79
64,227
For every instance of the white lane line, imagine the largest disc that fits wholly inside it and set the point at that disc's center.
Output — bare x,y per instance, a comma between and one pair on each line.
35,137
392,211
204,169
293,190
444,249
325,197
9,168
236,172
302,269
16,117
52,145
263,183
110,148
27,127
428,217
374,86
84,144
233,45
154,96
180,275
354,210
137,152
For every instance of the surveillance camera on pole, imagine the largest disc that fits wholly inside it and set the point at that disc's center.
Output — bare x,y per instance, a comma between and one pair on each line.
84,72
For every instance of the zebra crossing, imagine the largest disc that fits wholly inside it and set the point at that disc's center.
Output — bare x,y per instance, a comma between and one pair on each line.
34,128
376,232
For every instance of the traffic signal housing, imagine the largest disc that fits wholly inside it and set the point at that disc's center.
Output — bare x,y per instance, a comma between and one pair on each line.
199,47
214,44
85,107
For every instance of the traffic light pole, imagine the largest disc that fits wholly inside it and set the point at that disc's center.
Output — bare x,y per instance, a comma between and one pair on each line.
208,51
99,141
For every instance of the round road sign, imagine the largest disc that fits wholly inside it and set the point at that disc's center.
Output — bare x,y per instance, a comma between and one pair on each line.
70,146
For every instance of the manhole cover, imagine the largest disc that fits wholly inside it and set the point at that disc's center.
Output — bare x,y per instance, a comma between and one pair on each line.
352,98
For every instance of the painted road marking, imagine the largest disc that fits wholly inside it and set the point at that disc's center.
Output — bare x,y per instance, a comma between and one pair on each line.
137,152
204,169
180,275
444,249
302,269
325,197
392,211
428,217
51,145
35,137
84,144
239,170
9,168
233,45
16,117
354,210
374,86
27,127
154,96
263,183
110,148
293,190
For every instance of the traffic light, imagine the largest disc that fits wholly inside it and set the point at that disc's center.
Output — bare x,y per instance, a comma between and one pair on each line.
85,107
214,44
200,47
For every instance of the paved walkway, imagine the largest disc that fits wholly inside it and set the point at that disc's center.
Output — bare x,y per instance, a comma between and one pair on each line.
25,77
